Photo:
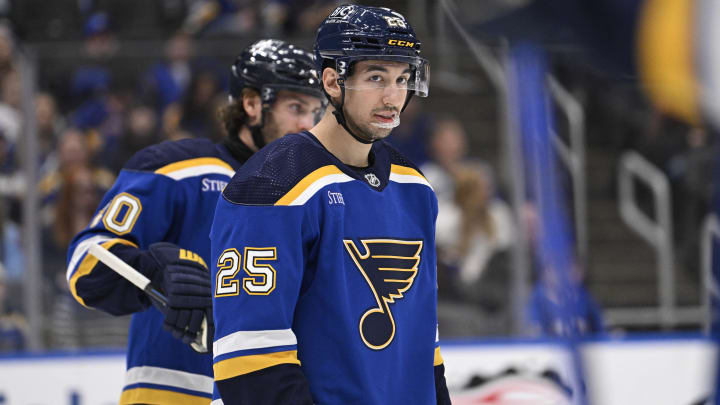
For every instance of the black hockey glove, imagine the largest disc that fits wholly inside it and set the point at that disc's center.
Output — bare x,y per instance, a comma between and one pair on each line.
184,278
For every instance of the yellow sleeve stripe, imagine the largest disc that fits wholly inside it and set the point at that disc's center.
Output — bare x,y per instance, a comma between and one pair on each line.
155,396
438,358
247,364
314,178
404,170
191,163
88,263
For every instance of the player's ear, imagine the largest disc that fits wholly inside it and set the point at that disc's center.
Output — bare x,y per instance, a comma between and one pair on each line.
252,106
330,82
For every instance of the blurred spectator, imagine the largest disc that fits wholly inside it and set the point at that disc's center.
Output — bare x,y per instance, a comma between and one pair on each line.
210,17
473,263
486,226
171,119
473,231
72,153
90,86
167,82
79,196
142,131
10,106
100,42
552,309
412,135
447,149
13,326
288,17
11,251
548,314
70,324
7,50
691,173
200,105
49,124
11,180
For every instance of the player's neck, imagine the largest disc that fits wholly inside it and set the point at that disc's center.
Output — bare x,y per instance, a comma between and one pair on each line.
246,138
340,143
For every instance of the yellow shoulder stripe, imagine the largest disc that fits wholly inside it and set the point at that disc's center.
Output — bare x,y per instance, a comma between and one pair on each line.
306,182
247,364
88,263
404,170
184,164
155,396
438,358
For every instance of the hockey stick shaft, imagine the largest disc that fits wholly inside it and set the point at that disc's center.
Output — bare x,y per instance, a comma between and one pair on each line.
127,272
140,281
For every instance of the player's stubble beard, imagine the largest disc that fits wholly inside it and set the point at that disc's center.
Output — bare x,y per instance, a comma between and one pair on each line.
271,129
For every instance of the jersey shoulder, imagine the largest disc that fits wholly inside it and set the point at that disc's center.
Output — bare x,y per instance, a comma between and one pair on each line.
156,157
396,158
274,170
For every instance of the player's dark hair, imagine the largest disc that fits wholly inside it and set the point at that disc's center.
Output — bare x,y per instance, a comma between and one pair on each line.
232,115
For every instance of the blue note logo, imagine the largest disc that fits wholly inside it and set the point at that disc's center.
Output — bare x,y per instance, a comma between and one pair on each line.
389,266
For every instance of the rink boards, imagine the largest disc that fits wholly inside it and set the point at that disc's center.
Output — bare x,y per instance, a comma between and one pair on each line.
651,369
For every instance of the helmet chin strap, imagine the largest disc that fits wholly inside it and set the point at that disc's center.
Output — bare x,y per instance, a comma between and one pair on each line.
340,117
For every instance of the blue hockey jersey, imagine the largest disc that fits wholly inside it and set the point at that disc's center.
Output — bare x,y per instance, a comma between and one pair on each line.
167,192
331,269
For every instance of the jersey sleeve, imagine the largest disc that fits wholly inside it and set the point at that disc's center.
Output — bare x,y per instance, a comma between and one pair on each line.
259,256
137,211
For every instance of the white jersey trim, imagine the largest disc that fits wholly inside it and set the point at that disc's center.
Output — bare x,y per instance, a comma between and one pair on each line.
217,402
408,178
312,189
81,249
256,339
199,171
170,378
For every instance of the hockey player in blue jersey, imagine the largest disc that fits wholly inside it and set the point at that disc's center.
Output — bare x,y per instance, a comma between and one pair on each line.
157,218
323,243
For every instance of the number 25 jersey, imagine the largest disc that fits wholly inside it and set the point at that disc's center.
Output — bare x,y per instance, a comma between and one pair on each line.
329,268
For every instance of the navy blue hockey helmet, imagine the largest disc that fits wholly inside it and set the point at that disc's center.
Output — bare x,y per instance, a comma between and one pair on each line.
270,65
352,33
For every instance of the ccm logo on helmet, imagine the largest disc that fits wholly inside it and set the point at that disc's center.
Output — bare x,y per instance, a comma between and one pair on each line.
398,42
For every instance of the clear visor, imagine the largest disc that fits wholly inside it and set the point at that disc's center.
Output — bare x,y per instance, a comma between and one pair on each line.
401,72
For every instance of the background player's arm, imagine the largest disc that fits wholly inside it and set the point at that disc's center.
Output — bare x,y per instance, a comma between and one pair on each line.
258,268
137,211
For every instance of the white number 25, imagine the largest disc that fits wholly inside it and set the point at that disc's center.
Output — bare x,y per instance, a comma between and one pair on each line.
261,280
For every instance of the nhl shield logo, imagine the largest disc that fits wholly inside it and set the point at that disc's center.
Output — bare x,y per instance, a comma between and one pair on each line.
372,179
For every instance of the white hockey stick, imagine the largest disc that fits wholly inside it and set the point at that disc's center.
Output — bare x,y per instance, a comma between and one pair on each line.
143,283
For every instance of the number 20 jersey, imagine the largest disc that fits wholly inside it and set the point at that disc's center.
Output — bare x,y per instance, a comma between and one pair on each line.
330,267
166,192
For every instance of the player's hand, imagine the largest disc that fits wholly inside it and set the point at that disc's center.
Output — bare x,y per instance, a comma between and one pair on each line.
184,278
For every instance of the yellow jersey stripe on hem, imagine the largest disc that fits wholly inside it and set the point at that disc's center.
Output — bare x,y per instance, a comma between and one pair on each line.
184,164
247,364
438,358
156,396
88,264
306,182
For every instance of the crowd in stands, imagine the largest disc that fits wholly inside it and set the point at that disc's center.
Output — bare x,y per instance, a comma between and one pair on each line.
94,112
